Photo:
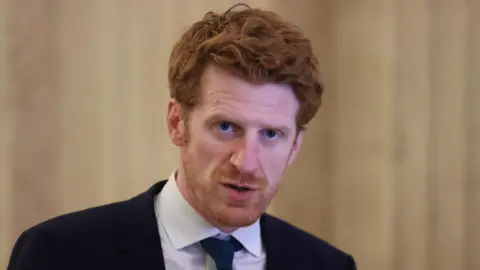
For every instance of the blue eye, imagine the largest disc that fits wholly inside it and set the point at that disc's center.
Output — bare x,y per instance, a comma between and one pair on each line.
270,134
225,126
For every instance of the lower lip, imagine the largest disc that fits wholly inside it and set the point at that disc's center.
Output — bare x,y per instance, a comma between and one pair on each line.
239,195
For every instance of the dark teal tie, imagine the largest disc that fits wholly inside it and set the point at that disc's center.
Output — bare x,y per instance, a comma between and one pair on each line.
221,251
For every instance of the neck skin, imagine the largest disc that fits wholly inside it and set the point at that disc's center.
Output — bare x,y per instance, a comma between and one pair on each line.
189,197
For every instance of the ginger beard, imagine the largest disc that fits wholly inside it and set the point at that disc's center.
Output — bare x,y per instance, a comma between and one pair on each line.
210,198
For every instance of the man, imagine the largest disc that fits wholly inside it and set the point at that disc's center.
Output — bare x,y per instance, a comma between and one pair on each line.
244,84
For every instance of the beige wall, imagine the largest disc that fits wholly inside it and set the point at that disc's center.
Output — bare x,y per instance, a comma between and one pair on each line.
389,168
5,128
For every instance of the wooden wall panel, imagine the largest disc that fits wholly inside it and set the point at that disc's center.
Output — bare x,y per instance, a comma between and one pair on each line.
472,132
34,96
5,142
365,85
412,122
448,74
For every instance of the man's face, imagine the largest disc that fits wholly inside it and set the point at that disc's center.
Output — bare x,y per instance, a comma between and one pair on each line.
235,146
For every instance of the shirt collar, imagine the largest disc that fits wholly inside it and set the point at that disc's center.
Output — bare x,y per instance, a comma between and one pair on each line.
184,226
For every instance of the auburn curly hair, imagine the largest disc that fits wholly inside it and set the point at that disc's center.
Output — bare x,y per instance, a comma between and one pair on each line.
253,44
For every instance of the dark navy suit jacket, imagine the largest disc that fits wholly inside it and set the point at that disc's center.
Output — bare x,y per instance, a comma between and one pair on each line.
124,235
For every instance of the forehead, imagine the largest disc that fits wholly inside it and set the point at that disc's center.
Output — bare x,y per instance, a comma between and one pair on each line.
237,98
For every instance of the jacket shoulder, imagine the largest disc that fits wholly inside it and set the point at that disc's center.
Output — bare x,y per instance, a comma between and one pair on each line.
48,244
90,220
103,219
309,248
89,233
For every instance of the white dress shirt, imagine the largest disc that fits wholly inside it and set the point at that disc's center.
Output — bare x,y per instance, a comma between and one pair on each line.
181,228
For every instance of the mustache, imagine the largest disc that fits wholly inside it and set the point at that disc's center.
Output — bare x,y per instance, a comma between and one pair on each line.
234,175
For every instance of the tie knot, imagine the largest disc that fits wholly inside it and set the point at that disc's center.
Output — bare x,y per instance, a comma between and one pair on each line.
221,251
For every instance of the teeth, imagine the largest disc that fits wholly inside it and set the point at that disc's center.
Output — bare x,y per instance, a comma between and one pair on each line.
237,188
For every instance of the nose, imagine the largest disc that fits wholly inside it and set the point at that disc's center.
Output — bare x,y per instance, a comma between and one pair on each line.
245,157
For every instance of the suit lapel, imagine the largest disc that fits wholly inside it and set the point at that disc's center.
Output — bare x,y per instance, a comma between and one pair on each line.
139,245
271,241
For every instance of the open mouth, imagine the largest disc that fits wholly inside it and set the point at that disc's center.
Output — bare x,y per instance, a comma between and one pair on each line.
238,188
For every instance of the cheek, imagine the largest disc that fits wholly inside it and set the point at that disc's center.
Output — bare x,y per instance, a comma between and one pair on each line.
205,151
274,164
210,147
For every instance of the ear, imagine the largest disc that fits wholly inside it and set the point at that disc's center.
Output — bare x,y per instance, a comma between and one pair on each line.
296,147
176,123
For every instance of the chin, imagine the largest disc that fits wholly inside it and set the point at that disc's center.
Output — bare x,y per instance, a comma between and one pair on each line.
236,217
